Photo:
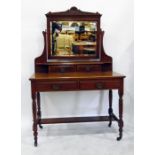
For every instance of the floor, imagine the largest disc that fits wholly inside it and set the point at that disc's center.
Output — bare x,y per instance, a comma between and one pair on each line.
94,138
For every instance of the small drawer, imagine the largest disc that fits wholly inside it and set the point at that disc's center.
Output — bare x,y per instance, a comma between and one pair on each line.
62,69
99,84
88,68
57,86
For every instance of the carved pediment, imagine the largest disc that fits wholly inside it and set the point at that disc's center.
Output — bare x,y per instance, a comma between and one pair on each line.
72,11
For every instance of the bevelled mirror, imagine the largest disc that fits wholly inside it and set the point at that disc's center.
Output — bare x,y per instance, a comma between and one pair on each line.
73,38
73,34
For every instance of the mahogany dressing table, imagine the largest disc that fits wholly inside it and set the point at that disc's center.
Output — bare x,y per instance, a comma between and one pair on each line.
74,59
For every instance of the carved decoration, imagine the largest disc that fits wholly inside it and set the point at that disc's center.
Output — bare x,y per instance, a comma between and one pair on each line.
72,11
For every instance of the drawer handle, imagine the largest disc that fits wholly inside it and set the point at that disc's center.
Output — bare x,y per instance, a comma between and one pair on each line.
56,87
88,68
62,70
99,85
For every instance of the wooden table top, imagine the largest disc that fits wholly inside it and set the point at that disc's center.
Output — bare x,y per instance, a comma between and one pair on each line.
75,75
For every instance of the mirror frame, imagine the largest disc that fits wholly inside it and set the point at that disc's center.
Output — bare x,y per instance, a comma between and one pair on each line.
73,14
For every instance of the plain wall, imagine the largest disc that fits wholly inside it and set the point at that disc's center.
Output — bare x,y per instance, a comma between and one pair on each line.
116,21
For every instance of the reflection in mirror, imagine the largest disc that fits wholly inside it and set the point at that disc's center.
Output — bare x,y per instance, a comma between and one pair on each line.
72,38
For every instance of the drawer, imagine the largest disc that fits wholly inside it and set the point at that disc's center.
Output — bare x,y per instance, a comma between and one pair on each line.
89,68
62,68
56,86
99,84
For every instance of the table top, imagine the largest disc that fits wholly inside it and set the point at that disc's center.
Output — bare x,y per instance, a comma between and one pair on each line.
75,75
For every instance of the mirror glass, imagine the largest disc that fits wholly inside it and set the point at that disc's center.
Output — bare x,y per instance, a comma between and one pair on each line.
73,38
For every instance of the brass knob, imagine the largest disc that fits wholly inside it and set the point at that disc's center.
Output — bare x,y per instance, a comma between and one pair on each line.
87,68
55,87
99,85
62,70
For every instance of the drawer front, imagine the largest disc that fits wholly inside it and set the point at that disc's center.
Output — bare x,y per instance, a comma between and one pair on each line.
88,68
56,86
99,84
62,69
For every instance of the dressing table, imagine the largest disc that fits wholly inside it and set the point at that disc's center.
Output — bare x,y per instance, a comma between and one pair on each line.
73,59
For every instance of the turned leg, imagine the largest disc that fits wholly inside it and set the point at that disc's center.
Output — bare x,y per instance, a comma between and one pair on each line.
120,122
110,111
34,110
39,109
